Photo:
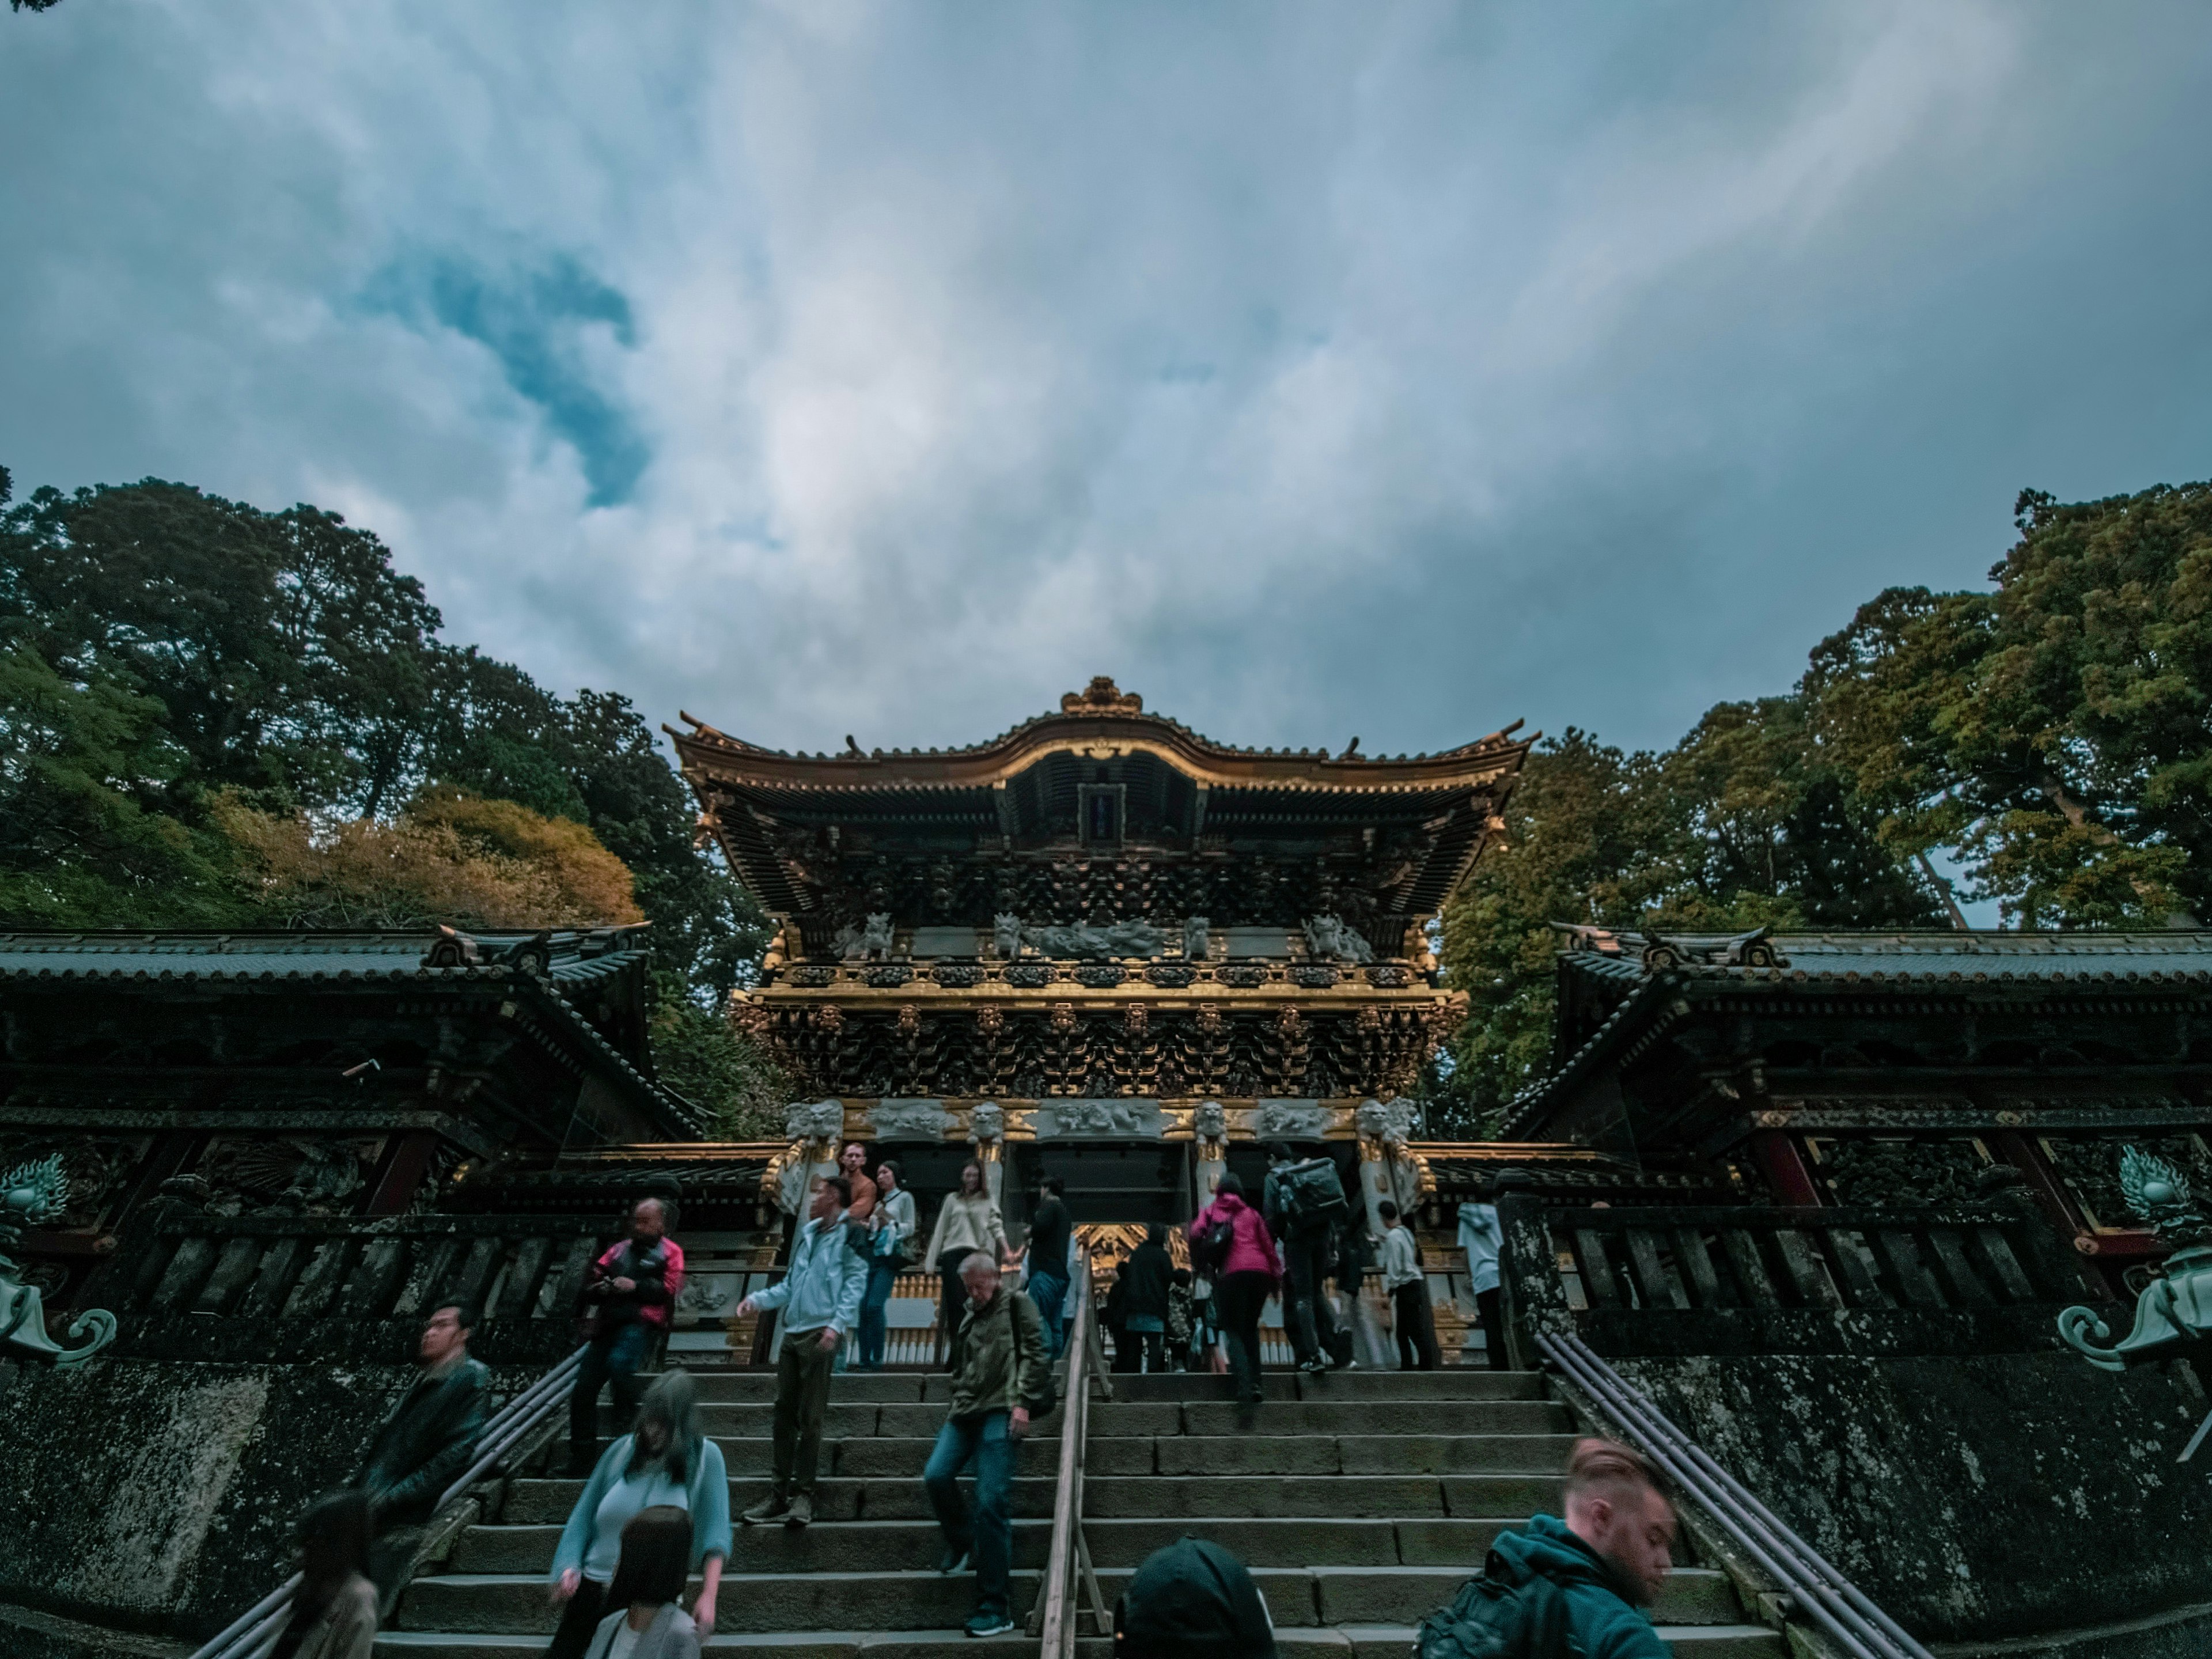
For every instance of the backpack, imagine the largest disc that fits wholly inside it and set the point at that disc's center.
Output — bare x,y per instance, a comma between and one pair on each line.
1308,1194
1498,1616
1209,1251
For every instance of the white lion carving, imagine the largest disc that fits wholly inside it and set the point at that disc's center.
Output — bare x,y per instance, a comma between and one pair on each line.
1328,939
1006,935
1210,1121
814,1119
987,1122
1197,938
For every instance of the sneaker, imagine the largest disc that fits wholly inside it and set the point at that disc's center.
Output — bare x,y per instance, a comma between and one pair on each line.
1313,1367
774,1507
988,1624
801,1510
954,1559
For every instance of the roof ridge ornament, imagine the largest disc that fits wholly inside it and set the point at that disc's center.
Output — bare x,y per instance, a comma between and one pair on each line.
1102,696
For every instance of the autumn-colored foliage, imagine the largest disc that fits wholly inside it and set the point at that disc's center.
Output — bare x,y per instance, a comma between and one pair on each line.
449,857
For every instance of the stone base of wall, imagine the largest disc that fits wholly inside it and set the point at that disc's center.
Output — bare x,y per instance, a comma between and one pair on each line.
1975,1498
159,1495
27,1633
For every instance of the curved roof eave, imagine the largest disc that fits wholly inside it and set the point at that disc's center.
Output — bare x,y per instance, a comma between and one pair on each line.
733,760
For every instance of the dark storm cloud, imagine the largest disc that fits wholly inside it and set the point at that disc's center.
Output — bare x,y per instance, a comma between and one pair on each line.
1401,370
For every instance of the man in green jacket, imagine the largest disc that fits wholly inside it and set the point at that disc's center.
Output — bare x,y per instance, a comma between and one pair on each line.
1002,1368
1610,1559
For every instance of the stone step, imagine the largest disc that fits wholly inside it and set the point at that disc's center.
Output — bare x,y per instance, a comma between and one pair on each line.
749,1603
1359,1385
1305,1417
850,1419
913,1388
769,1644
1395,1641
1346,1642
1324,1593
1117,1497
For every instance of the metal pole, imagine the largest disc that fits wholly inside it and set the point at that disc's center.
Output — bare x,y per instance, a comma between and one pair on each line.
1813,1559
1816,1598
223,1639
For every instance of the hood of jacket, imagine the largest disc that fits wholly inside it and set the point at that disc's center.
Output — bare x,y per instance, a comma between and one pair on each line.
1546,1545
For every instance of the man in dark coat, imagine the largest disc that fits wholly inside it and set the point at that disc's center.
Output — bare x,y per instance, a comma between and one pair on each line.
1148,1275
423,1447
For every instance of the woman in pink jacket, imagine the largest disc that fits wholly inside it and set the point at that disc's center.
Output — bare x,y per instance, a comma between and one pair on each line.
1241,1285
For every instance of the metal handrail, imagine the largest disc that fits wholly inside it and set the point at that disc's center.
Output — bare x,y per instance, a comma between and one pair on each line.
255,1631
1832,1600
1070,1553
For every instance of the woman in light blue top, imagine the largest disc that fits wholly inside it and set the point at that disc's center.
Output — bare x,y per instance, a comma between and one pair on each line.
665,1460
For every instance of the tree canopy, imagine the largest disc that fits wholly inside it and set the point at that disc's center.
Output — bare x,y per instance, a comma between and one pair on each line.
213,715
2050,738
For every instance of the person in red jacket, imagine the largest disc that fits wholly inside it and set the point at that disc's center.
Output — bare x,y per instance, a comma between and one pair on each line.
1252,1272
629,1291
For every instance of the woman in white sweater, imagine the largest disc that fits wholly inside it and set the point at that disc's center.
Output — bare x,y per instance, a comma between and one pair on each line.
969,1222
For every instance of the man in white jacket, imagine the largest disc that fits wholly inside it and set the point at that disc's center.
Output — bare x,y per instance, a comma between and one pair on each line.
820,1294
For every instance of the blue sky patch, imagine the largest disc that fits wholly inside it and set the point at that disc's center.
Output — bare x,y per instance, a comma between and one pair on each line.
533,321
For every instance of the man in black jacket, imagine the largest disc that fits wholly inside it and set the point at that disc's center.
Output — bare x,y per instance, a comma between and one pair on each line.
1147,1274
423,1447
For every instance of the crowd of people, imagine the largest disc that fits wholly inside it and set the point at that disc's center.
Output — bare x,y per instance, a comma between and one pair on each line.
654,1509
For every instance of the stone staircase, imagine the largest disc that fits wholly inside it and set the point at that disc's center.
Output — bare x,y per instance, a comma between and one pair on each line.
1360,1501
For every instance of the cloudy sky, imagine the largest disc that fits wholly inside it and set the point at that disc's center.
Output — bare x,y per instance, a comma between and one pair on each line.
1398,370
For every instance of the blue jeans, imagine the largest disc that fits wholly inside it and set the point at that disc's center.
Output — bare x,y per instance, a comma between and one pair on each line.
1049,1292
989,1534
883,1272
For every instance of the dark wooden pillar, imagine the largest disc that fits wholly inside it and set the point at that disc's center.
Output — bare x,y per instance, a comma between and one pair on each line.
1782,1161
406,1160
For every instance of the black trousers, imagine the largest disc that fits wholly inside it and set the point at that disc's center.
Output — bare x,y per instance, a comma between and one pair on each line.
1489,1307
1414,1327
1306,1261
954,1307
613,1357
1238,1299
579,1619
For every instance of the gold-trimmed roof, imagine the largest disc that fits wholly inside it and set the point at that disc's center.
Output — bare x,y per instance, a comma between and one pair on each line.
1099,722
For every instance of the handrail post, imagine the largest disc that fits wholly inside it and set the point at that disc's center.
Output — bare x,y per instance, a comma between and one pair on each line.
1068,1553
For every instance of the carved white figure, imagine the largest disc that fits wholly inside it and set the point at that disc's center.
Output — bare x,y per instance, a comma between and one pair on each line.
986,1122
1006,935
814,1119
1328,939
1104,1117
1293,1119
1197,938
1392,1123
909,1120
1085,942
1210,1121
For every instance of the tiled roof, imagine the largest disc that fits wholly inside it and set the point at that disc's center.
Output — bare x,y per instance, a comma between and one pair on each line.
1951,956
1645,971
572,960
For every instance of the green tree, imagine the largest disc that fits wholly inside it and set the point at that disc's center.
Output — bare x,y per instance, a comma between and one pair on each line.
77,848
284,651
716,1067
2054,732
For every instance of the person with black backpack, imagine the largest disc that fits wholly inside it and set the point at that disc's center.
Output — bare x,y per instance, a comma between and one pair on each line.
1192,1600
1570,1589
1304,1204
1230,1243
